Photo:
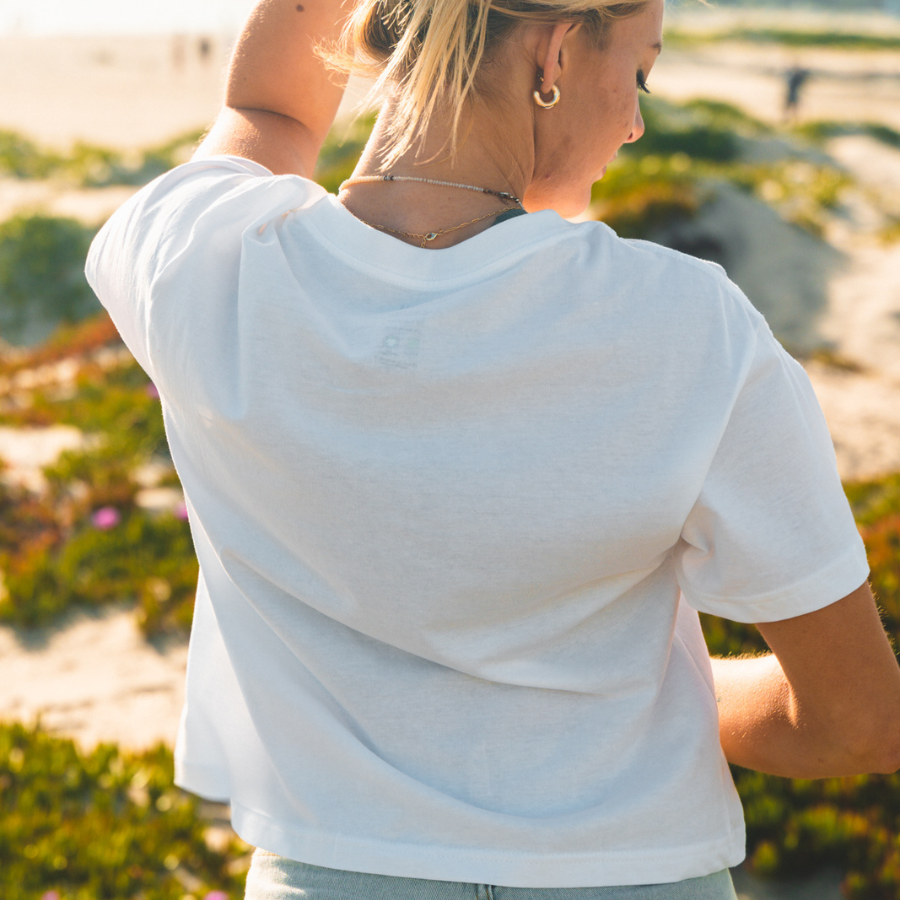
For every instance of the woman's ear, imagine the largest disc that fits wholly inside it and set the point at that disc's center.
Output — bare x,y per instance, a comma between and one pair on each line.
550,54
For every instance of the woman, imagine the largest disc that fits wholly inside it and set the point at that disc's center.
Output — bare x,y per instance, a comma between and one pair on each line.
459,477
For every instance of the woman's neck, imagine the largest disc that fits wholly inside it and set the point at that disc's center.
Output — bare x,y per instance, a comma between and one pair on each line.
416,207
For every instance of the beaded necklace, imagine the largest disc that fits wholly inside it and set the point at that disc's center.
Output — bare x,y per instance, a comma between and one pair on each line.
428,236
372,179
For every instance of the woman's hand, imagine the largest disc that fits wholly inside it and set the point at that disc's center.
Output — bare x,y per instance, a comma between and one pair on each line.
280,99
826,704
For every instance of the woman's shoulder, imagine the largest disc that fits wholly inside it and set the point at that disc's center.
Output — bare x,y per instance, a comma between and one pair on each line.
193,217
221,188
658,277
650,257
213,198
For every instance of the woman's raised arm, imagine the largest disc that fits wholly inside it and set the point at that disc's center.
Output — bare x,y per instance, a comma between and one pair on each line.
280,99
827,703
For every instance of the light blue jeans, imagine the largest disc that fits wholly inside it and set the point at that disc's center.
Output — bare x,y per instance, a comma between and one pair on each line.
276,878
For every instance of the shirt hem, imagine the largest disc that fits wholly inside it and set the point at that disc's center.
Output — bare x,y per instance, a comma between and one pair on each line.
470,865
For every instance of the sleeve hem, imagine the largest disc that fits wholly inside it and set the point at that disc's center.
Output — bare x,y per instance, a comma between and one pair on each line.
827,585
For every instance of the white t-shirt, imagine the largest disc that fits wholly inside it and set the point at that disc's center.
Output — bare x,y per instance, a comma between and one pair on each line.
448,506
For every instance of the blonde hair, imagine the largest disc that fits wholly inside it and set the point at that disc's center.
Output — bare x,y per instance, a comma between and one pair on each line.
430,53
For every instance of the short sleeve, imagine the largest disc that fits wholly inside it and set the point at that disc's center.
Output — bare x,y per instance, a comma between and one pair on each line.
204,201
771,535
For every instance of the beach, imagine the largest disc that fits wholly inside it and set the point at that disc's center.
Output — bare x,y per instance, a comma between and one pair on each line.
94,677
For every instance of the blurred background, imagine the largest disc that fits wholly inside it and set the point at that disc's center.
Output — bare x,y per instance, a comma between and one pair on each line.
772,148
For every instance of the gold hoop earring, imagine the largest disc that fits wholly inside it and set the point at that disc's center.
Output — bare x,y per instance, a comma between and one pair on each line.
544,104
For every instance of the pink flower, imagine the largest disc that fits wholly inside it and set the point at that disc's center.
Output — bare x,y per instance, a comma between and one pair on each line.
51,895
105,518
181,512
216,895
152,391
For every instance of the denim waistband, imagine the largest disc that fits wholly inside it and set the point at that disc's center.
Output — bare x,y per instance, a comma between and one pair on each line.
273,877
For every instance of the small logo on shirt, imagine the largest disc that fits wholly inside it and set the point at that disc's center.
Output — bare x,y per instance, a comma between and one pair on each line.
399,347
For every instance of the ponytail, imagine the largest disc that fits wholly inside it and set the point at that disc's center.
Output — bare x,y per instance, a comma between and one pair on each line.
428,53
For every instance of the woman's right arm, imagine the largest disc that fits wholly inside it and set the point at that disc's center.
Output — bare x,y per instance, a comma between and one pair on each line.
280,99
825,703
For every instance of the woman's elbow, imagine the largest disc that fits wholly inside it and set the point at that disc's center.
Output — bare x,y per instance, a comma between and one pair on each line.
887,757
875,750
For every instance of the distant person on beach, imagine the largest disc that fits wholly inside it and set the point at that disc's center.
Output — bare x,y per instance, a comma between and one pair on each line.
795,80
461,472
204,49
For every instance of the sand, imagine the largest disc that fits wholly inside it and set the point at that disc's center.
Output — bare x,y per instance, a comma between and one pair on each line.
125,92
844,86
122,92
94,678
26,451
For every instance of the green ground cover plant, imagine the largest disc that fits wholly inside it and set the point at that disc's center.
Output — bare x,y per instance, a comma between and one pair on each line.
103,825
787,37
803,193
700,131
688,150
341,151
642,194
823,129
796,826
664,177
89,165
875,500
85,541
22,158
69,342
726,116
42,279
97,556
